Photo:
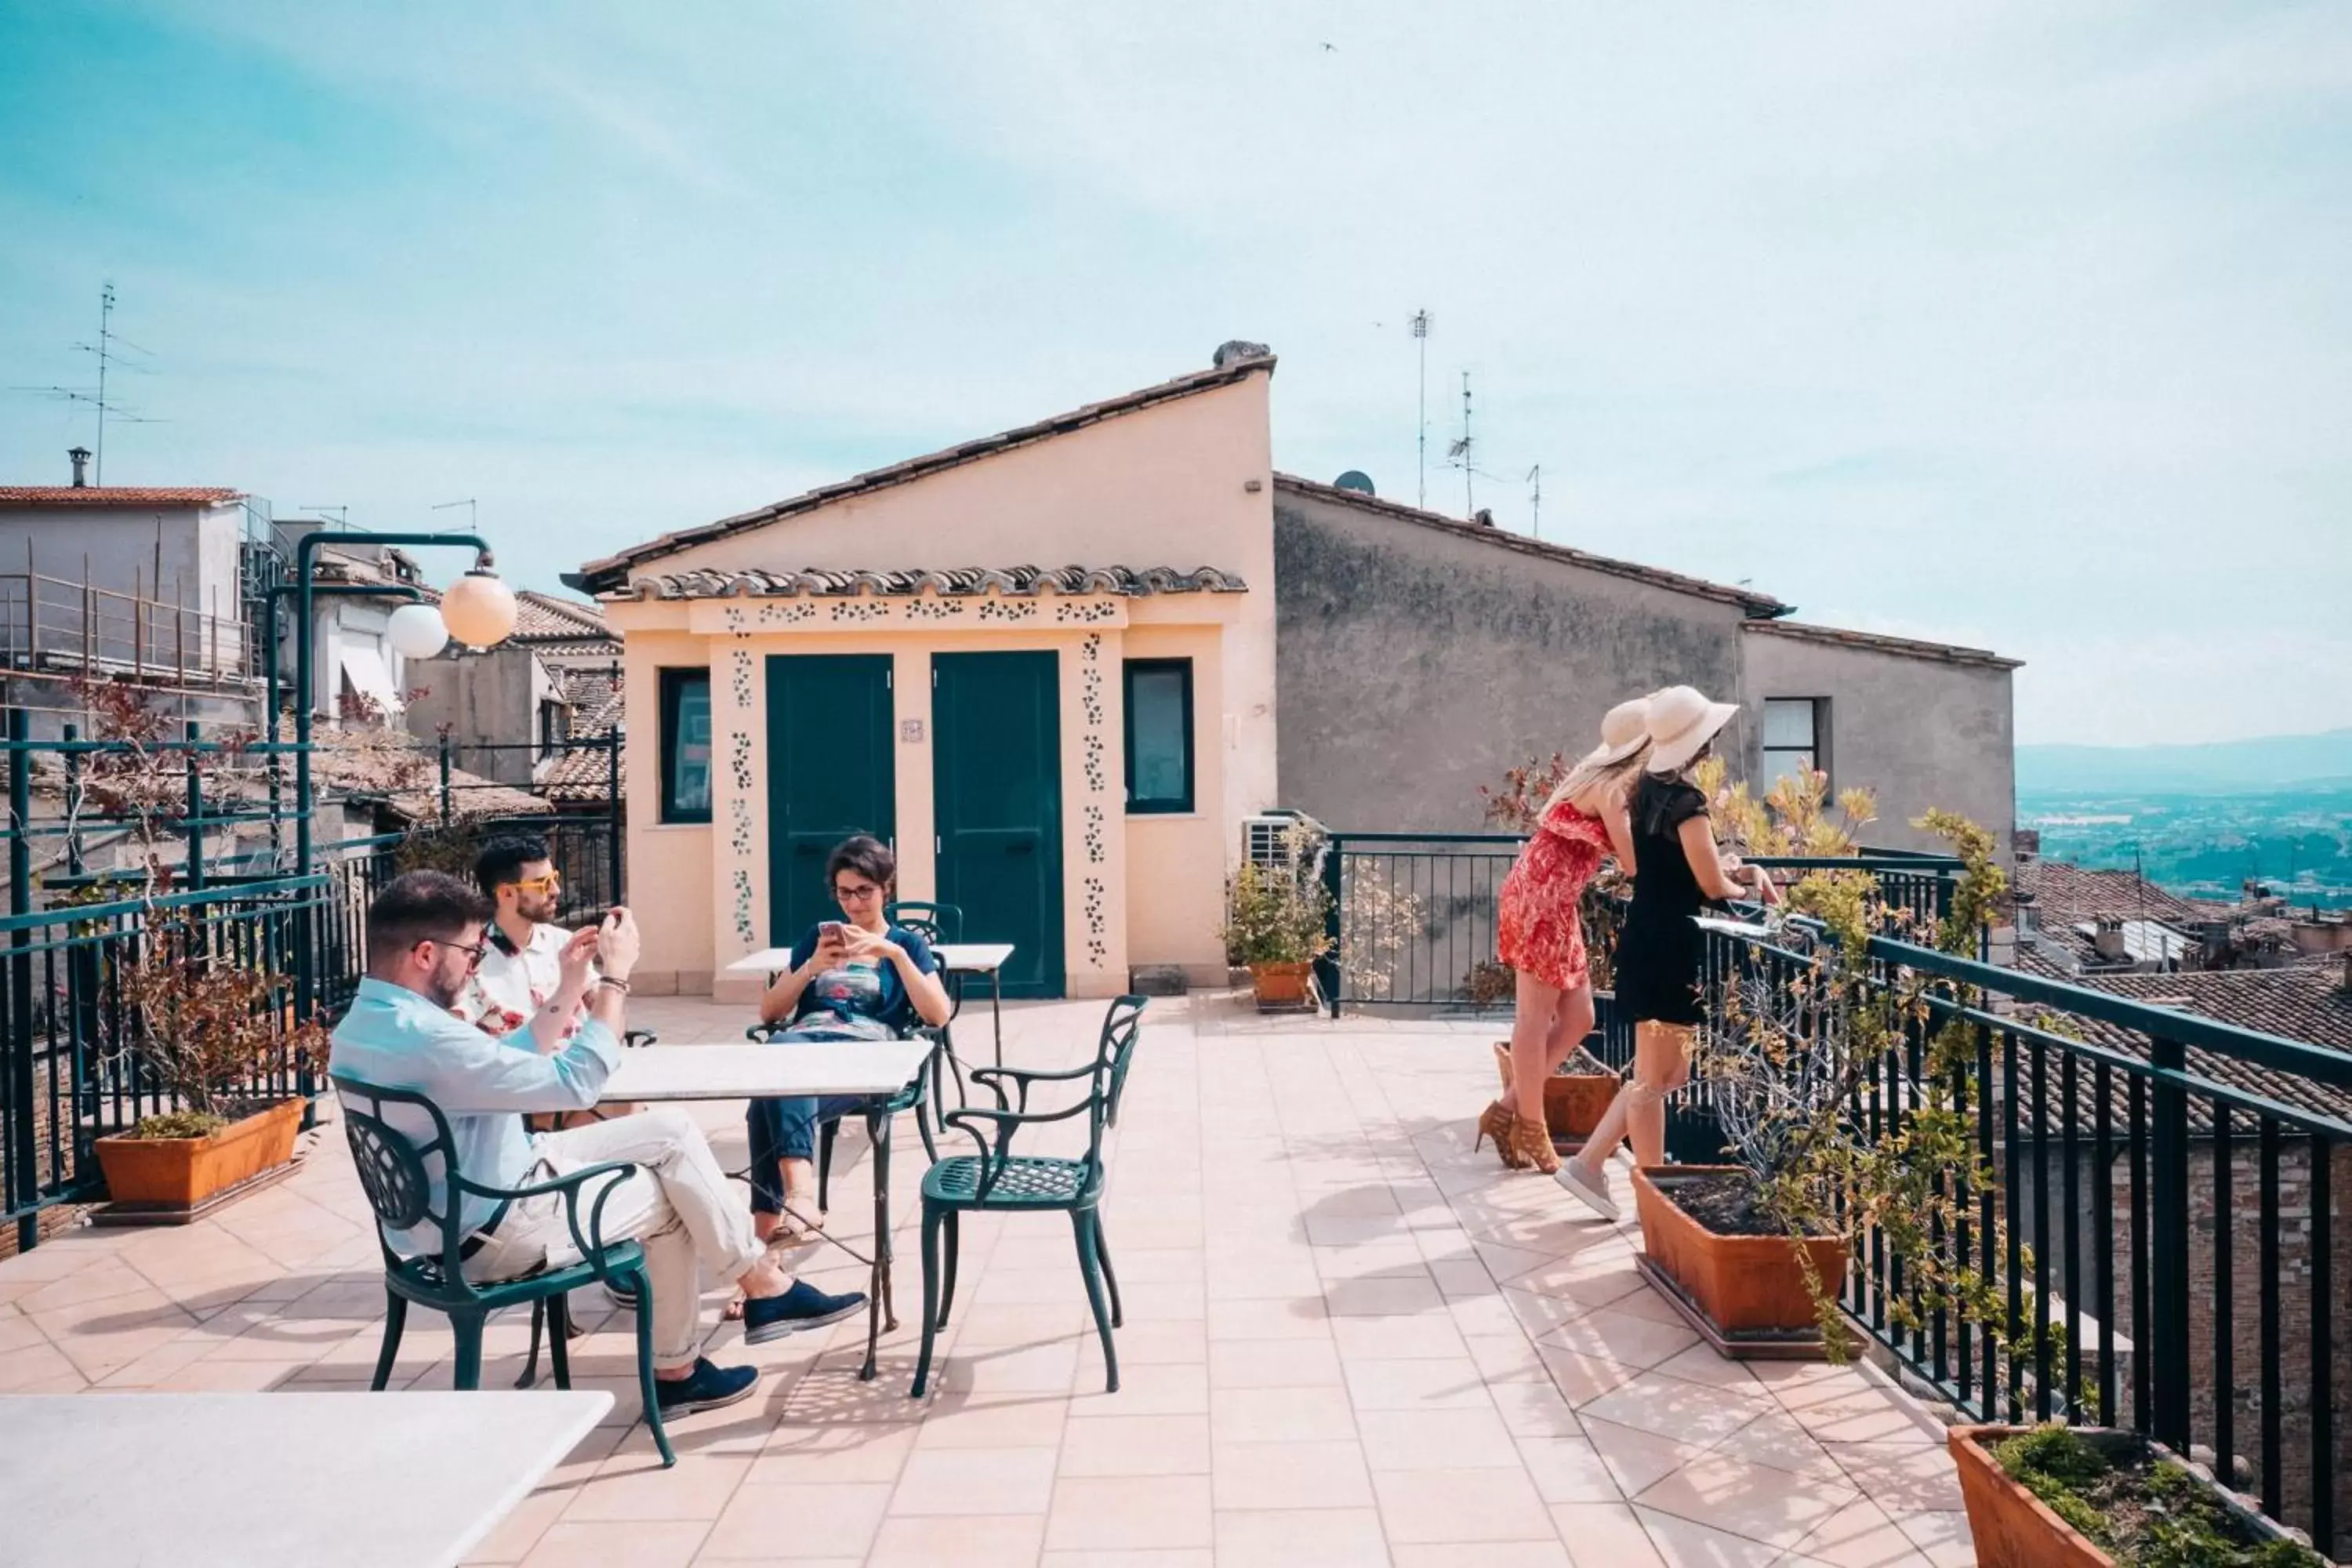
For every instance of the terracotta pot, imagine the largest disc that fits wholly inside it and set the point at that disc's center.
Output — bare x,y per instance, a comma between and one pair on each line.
1744,1283
181,1172
1283,985
2014,1529
1573,1102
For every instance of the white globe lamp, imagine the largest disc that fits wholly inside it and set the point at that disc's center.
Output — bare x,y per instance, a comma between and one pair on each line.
479,609
415,631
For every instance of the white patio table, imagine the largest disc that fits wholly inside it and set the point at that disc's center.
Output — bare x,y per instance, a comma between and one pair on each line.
874,1070
229,1480
987,958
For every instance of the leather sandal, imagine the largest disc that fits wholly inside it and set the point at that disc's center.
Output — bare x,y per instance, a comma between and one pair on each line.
1497,1122
1531,1142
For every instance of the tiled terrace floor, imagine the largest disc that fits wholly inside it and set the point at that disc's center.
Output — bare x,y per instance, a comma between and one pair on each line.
1348,1340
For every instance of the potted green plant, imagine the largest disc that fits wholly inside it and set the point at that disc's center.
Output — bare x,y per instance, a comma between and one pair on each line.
1756,1249
1276,924
201,1019
2053,1497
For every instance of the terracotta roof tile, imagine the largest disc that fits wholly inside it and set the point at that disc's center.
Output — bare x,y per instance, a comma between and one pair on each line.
962,582
2304,1002
1503,539
97,495
544,618
601,576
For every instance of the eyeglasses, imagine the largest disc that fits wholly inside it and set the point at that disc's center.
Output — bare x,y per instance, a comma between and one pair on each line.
473,952
857,895
551,883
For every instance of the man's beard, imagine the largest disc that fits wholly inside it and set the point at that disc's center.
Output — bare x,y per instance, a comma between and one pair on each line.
444,992
538,912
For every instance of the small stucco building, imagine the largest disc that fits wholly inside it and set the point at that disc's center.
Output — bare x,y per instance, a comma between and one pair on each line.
1060,667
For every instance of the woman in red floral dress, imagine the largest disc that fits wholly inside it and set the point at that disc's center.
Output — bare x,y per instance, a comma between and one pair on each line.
1539,935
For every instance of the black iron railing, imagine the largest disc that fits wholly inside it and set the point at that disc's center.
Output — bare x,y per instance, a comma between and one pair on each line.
2166,1192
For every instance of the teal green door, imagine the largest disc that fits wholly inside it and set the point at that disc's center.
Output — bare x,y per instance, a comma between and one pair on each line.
831,774
997,719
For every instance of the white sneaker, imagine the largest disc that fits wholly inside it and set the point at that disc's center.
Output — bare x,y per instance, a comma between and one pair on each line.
1593,1195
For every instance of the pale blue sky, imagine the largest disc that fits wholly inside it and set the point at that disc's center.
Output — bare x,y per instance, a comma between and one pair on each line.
2017,324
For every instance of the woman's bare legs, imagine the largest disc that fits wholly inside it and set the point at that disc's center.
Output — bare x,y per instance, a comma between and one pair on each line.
1571,1021
1532,1037
1661,1066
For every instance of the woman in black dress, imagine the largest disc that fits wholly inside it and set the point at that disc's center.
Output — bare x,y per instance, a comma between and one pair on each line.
1661,951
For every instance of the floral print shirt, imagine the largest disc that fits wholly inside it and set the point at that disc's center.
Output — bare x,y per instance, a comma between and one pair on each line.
512,985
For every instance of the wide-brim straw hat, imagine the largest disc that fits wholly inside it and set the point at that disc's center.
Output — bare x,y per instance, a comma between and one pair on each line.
1681,722
1624,730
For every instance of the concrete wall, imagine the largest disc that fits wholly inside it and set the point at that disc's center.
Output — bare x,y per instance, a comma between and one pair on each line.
490,703
119,551
1417,663
1169,485
1918,732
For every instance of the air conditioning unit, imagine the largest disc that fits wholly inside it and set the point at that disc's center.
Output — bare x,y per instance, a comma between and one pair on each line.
1265,837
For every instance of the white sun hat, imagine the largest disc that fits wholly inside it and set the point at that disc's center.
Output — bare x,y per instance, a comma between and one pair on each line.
1681,722
1624,730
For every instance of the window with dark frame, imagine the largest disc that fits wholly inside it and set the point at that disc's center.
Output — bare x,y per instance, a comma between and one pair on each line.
1159,735
686,745
1796,738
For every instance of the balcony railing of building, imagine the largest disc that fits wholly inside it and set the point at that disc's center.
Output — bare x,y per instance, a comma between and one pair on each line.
74,630
2171,1190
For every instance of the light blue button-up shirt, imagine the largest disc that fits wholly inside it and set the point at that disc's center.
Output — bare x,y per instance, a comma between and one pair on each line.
394,1038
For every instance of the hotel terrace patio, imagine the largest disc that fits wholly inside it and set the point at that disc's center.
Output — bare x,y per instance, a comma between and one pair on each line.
1349,1339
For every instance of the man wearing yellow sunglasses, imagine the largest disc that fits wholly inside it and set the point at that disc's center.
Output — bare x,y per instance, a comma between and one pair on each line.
534,975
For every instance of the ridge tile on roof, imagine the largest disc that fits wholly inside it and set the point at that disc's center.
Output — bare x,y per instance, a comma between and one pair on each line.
1017,581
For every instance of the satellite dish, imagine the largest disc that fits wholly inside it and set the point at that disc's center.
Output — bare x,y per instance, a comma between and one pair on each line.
1356,479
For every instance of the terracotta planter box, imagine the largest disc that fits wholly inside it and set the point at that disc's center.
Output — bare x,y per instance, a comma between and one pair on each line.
1283,985
1573,1102
1744,1284
181,1172
2014,1529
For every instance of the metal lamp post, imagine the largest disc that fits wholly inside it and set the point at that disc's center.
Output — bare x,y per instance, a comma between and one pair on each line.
305,661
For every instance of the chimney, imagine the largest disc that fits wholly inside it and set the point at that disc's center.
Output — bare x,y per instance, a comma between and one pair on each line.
2107,939
1483,518
2344,981
1238,349
80,455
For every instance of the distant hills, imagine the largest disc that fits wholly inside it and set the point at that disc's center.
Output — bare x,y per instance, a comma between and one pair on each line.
2224,767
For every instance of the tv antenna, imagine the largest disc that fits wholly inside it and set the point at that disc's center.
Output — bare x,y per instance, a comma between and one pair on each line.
1420,334
109,351
1535,501
1459,453
342,514
468,504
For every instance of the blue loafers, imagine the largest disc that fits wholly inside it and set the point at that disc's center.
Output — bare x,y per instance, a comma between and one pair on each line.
801,1307
707,1387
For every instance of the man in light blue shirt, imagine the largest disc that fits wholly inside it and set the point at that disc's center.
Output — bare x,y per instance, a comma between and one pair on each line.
425,936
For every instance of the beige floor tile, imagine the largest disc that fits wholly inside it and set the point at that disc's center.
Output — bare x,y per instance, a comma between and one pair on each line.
1483,1554
1453,1507
1281,1415
1296,1317
1684,1543
1195,1558
762,1523
1568,1469
992,1421
1779,1440
1129,1511
1943,1537
975,1481
1860,1535
1604,1535
512,1539
1425,1338
1137,1446
1275,1364
1024,1369
617,1546
1900,1476
1383,1298
633,1486
1301,1538
991,1540
814,1456
1637,1460
1745,1499
1622,1337
1291,1475
1670,1407
1021,1322
1437,1439
1453,1384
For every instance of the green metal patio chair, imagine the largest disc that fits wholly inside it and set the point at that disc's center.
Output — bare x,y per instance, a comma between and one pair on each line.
935,923
997,1179
393,1171
916,1096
